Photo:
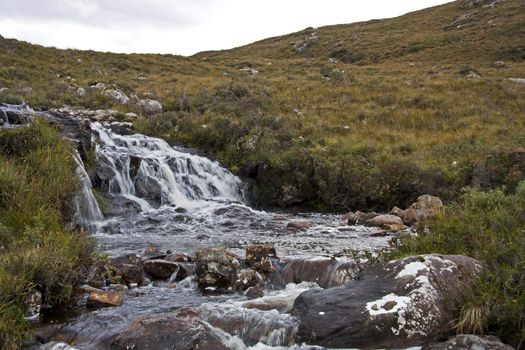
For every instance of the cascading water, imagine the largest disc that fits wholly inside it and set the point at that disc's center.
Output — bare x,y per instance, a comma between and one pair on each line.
159,195
172,176
88,213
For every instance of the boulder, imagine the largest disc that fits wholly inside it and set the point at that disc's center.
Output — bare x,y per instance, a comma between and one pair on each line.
216,269
398,304
104,298
299,225
358,217
117,95
165,269
153,252
150,106
469,342
168,331
130,273
387,222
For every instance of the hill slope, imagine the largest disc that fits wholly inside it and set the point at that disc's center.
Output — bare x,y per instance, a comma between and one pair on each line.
366,115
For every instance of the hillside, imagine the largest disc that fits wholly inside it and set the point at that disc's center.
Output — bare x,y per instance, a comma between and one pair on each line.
362,116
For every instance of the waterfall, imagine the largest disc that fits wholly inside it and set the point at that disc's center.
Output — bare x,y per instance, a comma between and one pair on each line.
149,171
88,212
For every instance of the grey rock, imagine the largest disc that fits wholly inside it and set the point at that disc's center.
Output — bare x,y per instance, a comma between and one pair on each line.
397,304
150,106
117,95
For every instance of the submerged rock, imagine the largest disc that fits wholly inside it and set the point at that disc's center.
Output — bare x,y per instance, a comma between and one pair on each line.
168,331
397,304
103,298
469,342
130,273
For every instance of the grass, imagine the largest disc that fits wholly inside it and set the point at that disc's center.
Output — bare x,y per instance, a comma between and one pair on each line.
488,226
37,185
397,98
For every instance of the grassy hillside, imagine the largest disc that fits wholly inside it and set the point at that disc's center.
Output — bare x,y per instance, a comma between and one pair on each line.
367,115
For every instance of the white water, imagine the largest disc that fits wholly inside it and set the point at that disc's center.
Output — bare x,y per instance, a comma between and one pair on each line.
88,213
178,178
23,109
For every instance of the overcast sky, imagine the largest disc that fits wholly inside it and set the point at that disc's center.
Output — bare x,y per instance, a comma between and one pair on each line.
180,26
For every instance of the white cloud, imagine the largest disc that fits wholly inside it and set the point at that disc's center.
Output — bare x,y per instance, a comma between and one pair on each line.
180,26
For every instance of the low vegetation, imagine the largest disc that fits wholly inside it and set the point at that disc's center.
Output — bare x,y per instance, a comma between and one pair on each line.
488,226
359,116
37,251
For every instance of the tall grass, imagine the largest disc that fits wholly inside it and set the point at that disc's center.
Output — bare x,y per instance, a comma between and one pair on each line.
37,184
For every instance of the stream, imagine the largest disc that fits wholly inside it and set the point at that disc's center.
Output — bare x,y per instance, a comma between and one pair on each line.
168,197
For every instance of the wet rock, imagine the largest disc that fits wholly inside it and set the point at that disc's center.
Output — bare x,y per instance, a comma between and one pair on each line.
358,218
117,95
165,269
102,298
257,254
32,305
216,269
17,118
130,273
154,253
298,225
397,304
387,222
150,106
469,342
326,272
247,278
132,259
168,331
254,292
178,257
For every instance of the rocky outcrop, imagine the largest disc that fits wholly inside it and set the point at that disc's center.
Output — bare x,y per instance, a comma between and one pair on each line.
397,304
168,331
469,342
